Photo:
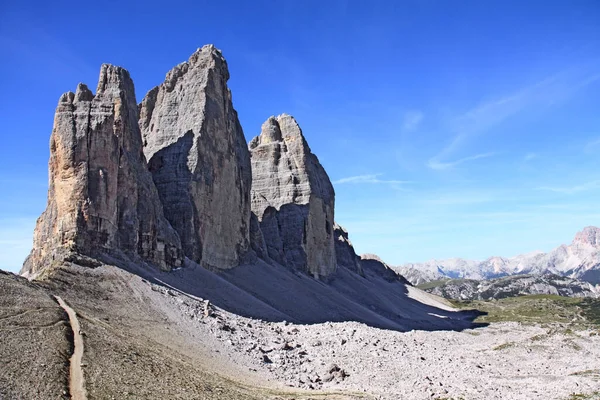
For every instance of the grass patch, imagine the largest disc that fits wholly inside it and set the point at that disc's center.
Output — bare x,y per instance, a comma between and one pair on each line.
595,373
537,309
584,396
538,338
504,346
432,284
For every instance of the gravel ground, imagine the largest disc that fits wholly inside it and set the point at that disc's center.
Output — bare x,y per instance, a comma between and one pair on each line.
148,341
502,361
35,342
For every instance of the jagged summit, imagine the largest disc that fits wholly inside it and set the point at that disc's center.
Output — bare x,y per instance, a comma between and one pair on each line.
590,235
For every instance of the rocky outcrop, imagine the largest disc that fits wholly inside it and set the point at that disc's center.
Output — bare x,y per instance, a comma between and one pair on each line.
293,199
101,197
372,264
199,159
344,251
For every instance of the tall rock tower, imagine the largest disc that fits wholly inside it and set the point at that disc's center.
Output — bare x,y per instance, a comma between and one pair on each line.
293,199
101,198
199,159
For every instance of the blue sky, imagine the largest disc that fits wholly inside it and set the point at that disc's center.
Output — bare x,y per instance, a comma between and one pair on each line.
463,128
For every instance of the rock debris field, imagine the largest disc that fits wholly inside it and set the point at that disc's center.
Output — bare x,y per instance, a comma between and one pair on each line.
502,361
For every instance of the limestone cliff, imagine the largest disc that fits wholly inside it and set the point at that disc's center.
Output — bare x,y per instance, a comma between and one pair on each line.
292,198
101,197
199,159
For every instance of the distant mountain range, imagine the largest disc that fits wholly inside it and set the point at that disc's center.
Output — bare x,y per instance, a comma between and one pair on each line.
578,260
510,286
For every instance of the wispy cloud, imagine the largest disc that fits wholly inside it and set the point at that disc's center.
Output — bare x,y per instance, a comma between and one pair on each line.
572,189
412,120
438,165
488,114
371,179
592,145
530,156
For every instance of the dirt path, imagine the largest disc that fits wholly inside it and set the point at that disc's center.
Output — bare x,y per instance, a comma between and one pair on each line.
76,380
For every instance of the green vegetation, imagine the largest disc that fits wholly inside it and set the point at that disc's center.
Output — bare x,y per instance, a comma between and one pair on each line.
432,284
582,396
504,346
538,309
595,373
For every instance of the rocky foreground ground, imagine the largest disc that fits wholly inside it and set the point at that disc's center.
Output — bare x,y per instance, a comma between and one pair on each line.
508,360
147,340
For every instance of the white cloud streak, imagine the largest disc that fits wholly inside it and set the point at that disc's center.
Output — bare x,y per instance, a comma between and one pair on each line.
486,115
412,120
591,146
438,165
572,189
370,179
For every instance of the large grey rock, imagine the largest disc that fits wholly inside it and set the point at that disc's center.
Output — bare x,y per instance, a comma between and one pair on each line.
292,198
199,159
372,264
344,251
101,197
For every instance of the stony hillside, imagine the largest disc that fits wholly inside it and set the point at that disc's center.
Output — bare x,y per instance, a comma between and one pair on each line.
578,260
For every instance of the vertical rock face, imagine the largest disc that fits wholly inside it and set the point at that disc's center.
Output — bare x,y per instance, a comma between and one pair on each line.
344,251
101,196
293,198
199,159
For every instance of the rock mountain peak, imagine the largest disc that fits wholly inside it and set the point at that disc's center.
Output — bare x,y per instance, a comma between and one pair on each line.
172,178
101,198
590,235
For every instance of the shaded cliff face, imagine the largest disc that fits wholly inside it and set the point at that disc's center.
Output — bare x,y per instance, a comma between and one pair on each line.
199,159
101,197
292,198
344,251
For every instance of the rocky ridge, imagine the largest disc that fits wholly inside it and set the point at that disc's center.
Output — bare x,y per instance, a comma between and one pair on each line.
509,286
